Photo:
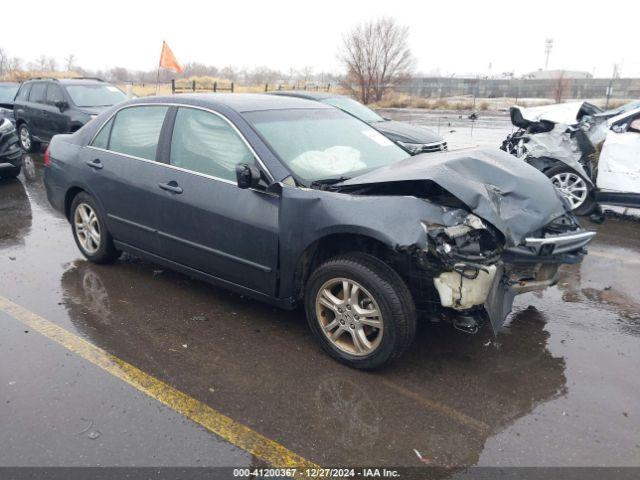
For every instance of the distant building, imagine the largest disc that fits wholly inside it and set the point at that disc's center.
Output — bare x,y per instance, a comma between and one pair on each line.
553,74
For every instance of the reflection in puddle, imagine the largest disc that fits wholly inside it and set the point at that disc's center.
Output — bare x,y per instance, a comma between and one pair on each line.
444,399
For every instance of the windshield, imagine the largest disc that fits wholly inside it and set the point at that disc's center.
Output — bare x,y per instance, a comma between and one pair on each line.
95,95
8,93
324,144
354,108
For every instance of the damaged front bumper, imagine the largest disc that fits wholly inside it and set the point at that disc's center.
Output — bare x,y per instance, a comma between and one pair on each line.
476,291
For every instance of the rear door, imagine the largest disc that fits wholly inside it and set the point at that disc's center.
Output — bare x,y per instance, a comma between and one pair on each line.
619,163
207,222
124,174
34,109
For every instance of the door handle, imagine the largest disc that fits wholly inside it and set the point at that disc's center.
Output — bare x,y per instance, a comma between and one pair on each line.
96,164
171,186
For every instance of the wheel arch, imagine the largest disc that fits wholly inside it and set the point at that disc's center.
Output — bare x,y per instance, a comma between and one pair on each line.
332,244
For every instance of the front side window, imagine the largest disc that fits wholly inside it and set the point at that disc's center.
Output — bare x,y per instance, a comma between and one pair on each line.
324,144
98,95
54,94
205,143
136,131
38,92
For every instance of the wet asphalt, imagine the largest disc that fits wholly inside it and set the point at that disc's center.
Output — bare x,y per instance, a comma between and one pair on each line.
559,386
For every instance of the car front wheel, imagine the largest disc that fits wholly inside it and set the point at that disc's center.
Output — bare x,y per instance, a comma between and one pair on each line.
90,230
360,310
27,142
573,187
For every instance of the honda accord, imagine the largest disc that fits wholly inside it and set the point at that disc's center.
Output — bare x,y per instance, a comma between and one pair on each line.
294,202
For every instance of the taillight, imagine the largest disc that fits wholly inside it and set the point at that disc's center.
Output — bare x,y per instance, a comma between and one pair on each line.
47,157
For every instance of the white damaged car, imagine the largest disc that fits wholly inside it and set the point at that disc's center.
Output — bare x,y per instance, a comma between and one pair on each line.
592,157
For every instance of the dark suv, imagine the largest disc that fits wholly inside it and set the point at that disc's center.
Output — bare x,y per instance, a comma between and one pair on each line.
45,107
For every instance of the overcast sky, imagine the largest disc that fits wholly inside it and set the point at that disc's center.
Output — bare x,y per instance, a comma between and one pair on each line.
450,36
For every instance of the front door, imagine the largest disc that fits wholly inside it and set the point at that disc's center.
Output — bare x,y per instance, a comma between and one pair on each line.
54,120
619,164
123,173
206,221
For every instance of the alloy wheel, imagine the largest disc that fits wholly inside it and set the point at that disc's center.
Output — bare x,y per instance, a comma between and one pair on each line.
572,187
87,228
349,316
25,138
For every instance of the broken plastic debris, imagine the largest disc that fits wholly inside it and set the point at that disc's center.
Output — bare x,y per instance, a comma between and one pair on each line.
421,458
93,434
184,345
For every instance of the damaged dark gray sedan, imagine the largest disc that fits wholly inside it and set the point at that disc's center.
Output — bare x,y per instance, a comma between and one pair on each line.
296,203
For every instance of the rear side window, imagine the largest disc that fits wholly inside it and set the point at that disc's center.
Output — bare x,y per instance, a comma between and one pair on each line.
54,94
205,143
23,93
136,131
37,94
102,139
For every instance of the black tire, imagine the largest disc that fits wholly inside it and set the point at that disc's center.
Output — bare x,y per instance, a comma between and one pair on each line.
10,172
106,251
589,204
389,292
32,146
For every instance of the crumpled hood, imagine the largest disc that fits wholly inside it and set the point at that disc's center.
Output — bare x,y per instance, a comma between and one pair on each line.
405,132
510,194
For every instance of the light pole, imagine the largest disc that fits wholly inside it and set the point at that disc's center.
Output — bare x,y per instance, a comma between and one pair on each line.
548,46
610,87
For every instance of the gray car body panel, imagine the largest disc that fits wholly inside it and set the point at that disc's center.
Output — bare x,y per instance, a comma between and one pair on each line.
513,196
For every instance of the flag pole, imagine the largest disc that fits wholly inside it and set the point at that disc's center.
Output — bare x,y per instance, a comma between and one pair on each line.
159,63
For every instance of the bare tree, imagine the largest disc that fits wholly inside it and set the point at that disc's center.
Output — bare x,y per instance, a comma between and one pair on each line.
69,62
560,86
376,55
52,64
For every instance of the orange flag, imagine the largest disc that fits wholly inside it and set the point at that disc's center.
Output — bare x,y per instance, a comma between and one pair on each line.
168,59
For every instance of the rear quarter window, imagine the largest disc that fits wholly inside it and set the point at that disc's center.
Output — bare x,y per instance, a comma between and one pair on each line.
101,140
136,131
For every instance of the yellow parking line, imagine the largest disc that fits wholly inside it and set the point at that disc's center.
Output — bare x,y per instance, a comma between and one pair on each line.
613,256
452,413
233,432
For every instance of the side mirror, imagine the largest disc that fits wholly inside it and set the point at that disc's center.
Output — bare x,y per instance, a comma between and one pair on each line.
62,105
247,176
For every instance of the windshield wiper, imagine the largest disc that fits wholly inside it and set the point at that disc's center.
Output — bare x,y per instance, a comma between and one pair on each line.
325,183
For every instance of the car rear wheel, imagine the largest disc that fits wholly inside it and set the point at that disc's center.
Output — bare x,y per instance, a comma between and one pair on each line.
360,311
27,142
10,172
573,187
90,230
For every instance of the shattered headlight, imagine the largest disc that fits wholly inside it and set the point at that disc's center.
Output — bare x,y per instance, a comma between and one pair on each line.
470,240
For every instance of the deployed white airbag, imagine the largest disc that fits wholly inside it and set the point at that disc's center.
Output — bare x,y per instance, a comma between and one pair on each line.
333,161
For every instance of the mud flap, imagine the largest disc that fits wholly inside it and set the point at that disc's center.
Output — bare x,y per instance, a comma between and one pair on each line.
499,300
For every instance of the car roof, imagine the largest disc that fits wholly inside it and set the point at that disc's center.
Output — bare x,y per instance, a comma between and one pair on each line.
318,96
240,102
68,81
